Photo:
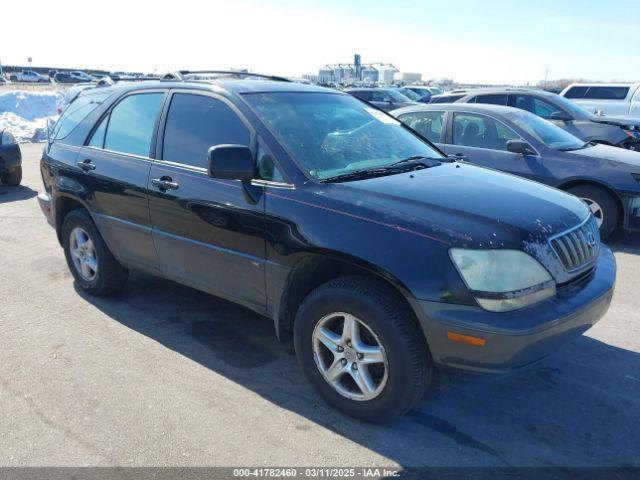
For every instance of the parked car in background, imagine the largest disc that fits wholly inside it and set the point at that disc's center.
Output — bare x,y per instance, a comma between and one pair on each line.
515,141
72,93
414,96
29,76
383,98
73,77
10,159
619,132
378,254
425,90
3,81
605,98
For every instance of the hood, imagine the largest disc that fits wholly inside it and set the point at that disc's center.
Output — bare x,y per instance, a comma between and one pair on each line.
621,121
466,205
619,156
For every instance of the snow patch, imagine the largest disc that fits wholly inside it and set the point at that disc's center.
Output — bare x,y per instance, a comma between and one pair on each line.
24,113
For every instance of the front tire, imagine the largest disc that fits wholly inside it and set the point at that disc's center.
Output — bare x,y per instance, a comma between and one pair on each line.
13,178
602,206
361,348
92,265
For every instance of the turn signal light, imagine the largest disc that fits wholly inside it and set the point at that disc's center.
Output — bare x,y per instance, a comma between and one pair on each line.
466,339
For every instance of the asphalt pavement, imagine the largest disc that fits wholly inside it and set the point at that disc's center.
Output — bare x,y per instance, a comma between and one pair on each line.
163,375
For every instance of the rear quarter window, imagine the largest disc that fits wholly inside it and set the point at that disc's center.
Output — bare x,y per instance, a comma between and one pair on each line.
576,92
76,112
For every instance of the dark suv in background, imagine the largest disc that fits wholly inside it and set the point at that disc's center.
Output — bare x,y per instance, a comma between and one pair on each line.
10,159
384,98
378,254
619,132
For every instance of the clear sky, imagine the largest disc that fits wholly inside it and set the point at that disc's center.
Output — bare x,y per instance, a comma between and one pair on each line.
484,41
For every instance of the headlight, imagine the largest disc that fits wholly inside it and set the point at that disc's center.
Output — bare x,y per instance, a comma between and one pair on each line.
503,280
7,138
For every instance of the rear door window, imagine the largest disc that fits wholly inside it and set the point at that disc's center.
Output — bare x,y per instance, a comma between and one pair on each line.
131,124
480,131
427,124
534,105
607,93
363,95
195,123
76,112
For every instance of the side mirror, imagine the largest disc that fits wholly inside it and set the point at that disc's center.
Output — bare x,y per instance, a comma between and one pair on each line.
520,146
560,116
231,162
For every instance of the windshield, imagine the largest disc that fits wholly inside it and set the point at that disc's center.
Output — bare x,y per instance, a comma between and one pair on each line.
330,134
396,96
421,92
544,131
410,94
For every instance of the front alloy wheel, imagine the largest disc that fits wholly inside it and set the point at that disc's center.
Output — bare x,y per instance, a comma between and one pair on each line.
350,356
596,210
602,205
362,349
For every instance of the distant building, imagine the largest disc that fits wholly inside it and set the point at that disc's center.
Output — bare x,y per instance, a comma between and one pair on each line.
386,73
370,74
346,73
326,75
407,78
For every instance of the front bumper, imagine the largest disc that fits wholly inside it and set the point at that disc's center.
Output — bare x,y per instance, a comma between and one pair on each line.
516,339
632,213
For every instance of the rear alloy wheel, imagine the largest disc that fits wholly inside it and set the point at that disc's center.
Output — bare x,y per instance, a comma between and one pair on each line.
602,206
83,254
92,265
362,349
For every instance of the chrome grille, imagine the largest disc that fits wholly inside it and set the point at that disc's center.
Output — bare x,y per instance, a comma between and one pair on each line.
578,248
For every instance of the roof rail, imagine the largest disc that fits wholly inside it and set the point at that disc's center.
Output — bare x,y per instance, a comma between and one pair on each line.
232,73
172,76
105,81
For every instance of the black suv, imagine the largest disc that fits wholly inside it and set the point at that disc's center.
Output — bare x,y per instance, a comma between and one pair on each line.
380,255
617,131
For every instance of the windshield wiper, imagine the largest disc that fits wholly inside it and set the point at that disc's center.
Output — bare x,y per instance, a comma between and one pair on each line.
404,165
571,149
418,160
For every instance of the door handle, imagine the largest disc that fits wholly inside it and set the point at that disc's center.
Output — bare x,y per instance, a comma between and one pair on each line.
86,165
164,183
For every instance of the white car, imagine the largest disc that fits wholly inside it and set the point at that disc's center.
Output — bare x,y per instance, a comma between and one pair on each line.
29,76
606,98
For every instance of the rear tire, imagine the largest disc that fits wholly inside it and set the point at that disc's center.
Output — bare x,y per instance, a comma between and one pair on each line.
382,319
92,265
601,204
13,178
